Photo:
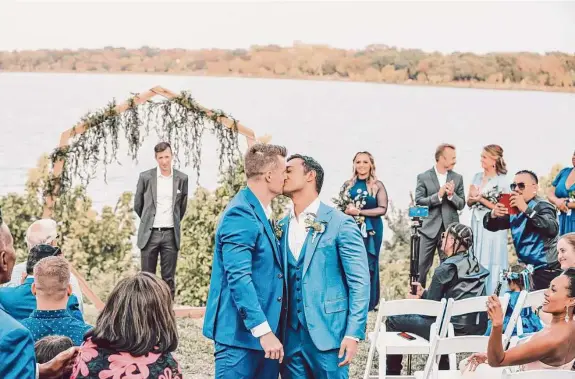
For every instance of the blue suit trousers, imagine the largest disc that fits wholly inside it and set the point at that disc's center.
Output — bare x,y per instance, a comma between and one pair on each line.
239,363
304,361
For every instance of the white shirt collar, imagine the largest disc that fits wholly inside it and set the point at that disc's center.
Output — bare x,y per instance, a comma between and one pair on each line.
169,176
312,208
438,173
267,210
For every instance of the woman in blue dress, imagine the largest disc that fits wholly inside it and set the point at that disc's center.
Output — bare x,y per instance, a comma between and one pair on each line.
562,194
369,204
490,247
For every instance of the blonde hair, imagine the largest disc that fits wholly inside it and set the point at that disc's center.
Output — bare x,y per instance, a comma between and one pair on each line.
51,277
261,157
496,152
371,178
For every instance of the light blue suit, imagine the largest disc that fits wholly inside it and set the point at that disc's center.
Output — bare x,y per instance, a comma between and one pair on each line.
17,357
246,289
328,296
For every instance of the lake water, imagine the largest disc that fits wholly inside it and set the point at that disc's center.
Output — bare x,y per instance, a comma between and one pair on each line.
399,125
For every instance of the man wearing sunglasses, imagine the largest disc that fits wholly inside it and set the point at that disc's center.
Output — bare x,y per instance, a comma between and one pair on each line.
534,227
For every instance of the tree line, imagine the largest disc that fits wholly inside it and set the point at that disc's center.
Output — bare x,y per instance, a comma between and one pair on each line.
376,63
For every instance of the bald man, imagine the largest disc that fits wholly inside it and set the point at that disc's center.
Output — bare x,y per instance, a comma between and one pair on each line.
16,343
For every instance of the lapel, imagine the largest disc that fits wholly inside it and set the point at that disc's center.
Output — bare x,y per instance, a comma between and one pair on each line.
323,214
434,179
175,185
449,176
154,182
261,215
284,243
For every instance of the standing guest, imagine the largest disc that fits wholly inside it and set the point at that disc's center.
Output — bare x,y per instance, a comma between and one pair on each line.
43,232
562,194
325,264
247,285
490,247
17,357
365,185
134,336
534,228
52,289
440,189
160,202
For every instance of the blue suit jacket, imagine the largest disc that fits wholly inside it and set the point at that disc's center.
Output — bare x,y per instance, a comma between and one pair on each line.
17,357
335,279
19,302
247,283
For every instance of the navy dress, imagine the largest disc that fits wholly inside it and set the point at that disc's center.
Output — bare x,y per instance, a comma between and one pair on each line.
566,220
372,230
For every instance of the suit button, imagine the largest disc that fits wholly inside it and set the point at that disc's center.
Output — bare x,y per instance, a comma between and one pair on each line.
297,288
280,276
297,278
299,311
279,298
298,299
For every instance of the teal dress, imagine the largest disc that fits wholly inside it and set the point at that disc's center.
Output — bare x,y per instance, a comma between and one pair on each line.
372,231
566,221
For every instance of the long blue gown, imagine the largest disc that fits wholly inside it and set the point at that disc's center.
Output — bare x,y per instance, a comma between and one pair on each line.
566,221
373,234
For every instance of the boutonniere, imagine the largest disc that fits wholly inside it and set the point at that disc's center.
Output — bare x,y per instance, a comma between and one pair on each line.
318,227
278,229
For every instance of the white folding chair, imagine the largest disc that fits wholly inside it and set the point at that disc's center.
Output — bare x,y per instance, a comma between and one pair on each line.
463,307
450,345
390,342
539,374
515,319
533,300
526,300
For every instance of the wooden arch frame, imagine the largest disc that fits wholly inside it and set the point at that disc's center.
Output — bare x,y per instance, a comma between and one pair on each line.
194,312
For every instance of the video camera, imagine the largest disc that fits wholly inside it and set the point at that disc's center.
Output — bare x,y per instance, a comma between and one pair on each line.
416,214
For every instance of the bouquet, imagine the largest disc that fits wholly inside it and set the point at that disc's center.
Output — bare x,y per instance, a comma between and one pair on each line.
358,201
492,195
570,199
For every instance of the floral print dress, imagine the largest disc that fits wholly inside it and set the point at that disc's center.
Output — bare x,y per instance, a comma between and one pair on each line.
99,363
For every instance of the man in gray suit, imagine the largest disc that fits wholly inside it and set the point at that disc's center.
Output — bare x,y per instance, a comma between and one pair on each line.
161,201
440,189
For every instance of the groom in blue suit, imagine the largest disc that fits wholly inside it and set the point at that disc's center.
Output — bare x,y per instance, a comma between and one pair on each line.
247,284
325,262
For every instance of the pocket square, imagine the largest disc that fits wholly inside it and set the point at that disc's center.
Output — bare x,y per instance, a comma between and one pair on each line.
178,191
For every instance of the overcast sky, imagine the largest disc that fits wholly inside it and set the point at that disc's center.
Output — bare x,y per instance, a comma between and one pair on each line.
444,26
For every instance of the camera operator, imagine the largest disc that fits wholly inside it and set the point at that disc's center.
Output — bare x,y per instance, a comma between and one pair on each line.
459,276
534,228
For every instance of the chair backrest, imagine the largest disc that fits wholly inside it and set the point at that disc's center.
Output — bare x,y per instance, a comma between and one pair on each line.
414,306
452,345
515,317
534,299
538,374
470,305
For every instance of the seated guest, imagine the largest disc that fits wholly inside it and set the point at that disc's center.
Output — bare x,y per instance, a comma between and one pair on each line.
566,251
534,229
52,288
49,347
552,348
518,279
460,276
19,301
17,356
42,232
137,327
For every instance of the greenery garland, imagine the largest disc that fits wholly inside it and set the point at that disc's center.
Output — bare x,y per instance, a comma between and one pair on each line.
179,120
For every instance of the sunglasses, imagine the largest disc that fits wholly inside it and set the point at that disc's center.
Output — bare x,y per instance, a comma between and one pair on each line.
513,186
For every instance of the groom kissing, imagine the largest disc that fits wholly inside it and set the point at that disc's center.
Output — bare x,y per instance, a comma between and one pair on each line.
325,264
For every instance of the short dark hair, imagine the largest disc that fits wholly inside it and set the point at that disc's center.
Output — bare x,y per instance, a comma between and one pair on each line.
49,347
38,253
138,318
530,173
161,147
310,164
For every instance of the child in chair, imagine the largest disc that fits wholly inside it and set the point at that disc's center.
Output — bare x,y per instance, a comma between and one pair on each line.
518,279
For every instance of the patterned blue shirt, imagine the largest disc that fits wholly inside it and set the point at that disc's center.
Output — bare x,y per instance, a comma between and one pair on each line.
56,323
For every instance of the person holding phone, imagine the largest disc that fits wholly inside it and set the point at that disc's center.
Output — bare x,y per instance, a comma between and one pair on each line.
534,227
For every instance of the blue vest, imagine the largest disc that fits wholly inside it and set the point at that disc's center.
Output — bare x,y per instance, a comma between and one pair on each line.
296,314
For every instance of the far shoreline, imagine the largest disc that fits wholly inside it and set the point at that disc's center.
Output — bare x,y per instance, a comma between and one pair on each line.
465,85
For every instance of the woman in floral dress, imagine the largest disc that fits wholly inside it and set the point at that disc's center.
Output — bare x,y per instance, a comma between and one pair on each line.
134,336
369,204
489,247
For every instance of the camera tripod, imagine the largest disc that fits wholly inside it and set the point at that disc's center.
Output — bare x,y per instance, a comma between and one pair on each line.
416,224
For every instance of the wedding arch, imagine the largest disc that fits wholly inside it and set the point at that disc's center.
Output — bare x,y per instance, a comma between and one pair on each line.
177,118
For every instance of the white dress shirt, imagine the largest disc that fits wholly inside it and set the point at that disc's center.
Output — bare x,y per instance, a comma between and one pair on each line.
164,201
297,228
264,327
442,179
